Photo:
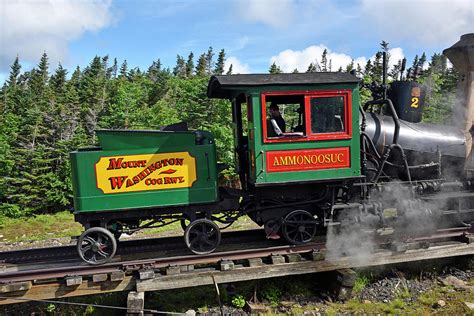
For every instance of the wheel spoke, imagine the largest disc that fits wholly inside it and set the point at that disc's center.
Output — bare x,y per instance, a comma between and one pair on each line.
209,242
299,227
193,241
202,236
290,231
103,253
301,236
89,240
86,248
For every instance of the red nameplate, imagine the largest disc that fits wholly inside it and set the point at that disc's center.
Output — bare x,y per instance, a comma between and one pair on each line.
311,159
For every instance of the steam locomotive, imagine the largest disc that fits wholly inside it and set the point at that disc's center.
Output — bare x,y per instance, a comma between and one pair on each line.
341,164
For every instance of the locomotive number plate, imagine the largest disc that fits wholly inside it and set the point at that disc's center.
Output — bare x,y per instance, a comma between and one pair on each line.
311,159
130,173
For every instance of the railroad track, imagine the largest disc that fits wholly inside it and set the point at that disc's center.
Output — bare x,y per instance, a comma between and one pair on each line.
234,264
234,243
167,246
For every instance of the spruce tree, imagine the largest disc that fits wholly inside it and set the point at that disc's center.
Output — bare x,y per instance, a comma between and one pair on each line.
154,70
350,66
219,70
180,69
58,79
14,72
229,72
313,67
39,75
201,66
190,65
324,60
123,72
209,61
274,69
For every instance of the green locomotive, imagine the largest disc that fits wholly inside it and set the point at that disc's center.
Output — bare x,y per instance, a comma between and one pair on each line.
329,162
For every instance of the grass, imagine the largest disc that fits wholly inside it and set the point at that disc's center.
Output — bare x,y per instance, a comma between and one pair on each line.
426,304
361,282
42,227
39,227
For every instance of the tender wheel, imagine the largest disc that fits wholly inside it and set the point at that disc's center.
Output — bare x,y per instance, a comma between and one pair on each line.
96,245
299,227
202,236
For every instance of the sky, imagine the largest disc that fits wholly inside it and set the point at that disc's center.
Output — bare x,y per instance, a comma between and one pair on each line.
253,33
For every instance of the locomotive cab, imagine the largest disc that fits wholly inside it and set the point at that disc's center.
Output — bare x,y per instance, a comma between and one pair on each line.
319,139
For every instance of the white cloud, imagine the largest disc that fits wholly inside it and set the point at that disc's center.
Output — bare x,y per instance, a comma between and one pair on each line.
275,13
27,28
237,66
396,54
289,59
427,21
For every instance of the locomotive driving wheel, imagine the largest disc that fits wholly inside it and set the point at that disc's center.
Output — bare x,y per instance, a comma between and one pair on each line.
299,227
96,245
202,236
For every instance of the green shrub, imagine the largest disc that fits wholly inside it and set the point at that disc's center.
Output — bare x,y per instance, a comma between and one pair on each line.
238,301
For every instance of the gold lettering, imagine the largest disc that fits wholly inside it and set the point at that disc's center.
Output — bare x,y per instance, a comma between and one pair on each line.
275,162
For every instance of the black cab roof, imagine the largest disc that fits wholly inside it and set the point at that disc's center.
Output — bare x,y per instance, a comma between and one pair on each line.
221,87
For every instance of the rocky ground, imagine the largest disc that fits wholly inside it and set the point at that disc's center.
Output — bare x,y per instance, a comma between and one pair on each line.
449,291
425,289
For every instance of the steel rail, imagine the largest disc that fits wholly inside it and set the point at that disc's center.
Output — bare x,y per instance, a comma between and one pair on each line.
125,247
156,263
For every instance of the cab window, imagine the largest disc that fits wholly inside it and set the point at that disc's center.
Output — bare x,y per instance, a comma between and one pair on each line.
297,116
327,114
285,115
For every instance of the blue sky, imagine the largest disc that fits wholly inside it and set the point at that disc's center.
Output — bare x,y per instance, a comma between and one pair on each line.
254,33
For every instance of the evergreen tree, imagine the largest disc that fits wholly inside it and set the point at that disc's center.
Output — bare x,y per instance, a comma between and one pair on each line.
395,72
201,66
123,73
154,70
295,71
209,61
190,65
180,68
113,69
350,66
219,70
229,72
39,76
313,67
14,72
274,69
58,80
324,60
93,93
413,70
377,70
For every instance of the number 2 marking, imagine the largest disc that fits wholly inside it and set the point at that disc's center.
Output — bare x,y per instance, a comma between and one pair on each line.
414,102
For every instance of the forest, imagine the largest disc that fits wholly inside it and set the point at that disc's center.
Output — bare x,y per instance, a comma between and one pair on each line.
46,113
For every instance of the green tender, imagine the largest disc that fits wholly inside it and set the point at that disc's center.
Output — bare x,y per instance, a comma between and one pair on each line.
200,145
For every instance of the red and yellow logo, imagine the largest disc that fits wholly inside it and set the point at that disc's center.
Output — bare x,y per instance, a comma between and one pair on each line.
312,159
131,173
